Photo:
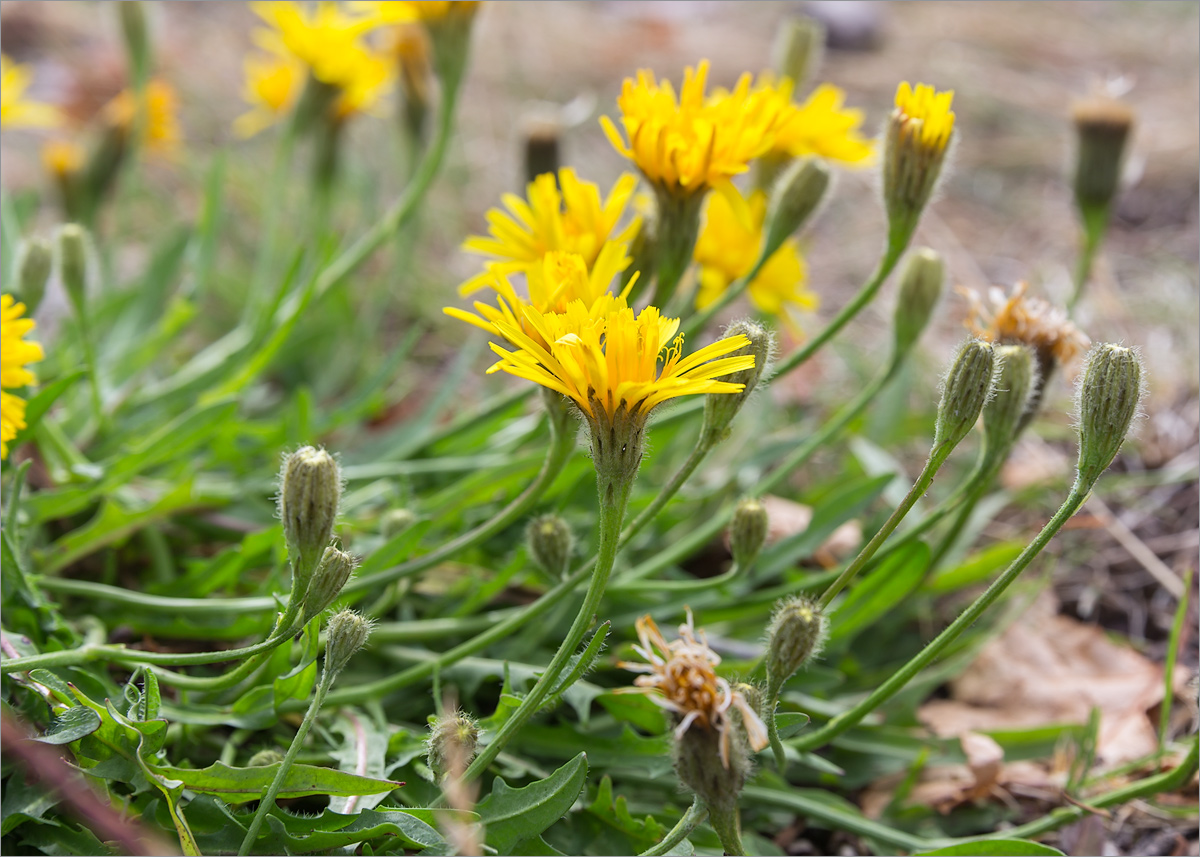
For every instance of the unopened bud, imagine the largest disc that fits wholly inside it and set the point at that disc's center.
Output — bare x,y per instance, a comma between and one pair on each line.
542,132
795,196
453,740
74,253
396,521
917,137
331,575
1109,392
137,41
1003,414
748,532
798,49
550,544
970,383
721,408
795,636
34,261
920,288
1103,126
310,491
345,633
752,693
264,757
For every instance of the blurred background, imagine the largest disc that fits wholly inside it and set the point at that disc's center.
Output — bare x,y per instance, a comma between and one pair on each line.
1005,213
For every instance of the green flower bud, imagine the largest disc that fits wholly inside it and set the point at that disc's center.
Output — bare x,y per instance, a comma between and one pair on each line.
550,544
310,491
752,693
748,532
396,521
34,261
917,137
795,636
1103,126
971,381
1004,413
698,766
1107,399
798,49
345,633
721,408
795,196
137,40
920,288
453,741
263,758
74,254
331,575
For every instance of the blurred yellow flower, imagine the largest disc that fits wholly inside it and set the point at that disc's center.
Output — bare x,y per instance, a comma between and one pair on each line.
609,363
575,220
15,110
62,157
408,11
925,114
727,249
699,141
161,130
15,354
274,81
821,126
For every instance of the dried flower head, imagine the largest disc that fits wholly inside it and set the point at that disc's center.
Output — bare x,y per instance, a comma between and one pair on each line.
681,677
1015,319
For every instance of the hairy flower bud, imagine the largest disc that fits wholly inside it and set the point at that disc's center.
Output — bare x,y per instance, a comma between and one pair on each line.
698,766
34,261
970,383
1102,126
346,632
331,575
453,741
396,521
798,48
917,136
74,253
795,636
920,288
1003,414
264,757
550,544
1107,399
748,532
310,491
795,196
137,39
721,408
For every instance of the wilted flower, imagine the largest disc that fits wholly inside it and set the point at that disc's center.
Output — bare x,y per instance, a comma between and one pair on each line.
681,677
15,354
1015,319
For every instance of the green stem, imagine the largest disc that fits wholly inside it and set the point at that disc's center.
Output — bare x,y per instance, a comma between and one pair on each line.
1095,222
936,459
725,822
682,829
268,800
885,691
612,512
275,204
773,736
1164,716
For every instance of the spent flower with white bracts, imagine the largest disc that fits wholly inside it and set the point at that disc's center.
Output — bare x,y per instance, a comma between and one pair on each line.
681,677
1015,319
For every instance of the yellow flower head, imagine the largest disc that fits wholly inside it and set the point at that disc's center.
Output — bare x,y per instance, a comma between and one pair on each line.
15,354
408,11
681,677
161,132
575,221
274,81
1015,319
62,157
15,110
821,126
699,141
925,114
615,361
729,246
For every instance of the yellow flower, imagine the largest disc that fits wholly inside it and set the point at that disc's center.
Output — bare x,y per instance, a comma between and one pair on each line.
15,355
573,221
62,157
926,114
274,81
609,363
15,111
552,285
1015,319
727,249
408,11
821,126
699,141
681,677
161,130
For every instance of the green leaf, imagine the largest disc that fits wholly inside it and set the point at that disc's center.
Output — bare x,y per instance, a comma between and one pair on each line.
238,785
994,848
975,569
515,814
364,751
45,398
880,591
71,725
639,834
789,723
